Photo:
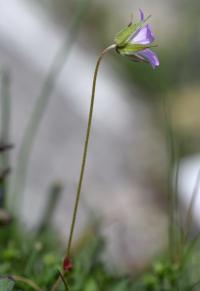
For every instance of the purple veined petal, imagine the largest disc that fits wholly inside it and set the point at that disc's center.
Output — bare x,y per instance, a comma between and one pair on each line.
150,56
143,36
141,15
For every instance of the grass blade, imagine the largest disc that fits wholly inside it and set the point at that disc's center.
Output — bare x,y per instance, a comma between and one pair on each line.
5,134
41,105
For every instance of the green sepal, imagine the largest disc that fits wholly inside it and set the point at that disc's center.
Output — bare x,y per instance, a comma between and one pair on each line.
122,36
129,48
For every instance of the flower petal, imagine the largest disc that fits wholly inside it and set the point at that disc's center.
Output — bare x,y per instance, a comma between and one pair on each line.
143,36
150,56
141,15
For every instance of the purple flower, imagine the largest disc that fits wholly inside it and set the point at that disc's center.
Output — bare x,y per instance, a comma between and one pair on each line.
135,42
150,57
143,36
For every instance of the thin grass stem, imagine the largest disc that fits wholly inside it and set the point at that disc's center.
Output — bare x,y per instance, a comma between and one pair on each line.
42,103
5,133
171,196
27,281
64,282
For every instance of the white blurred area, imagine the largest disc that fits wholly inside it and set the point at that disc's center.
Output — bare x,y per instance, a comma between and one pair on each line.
127,155
189,186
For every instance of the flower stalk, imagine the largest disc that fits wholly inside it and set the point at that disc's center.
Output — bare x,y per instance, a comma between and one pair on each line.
134,41
82,170
83,163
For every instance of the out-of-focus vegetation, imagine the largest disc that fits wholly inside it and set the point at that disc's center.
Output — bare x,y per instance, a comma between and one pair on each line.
33,262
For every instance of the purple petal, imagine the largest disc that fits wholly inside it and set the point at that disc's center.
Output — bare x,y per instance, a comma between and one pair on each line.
141,15
150,56
143,36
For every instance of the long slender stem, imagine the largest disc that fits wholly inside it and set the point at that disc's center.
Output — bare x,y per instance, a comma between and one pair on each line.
84,158
64,282
170,141
85,148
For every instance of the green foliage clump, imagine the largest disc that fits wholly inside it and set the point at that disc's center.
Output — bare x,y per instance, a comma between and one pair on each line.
38,260
34,261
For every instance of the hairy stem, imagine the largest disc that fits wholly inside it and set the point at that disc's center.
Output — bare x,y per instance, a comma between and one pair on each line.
85,148
84,158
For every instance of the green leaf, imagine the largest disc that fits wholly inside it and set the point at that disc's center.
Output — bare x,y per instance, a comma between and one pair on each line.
6,284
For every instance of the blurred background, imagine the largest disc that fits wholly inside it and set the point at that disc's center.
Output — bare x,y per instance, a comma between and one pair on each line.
48,51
